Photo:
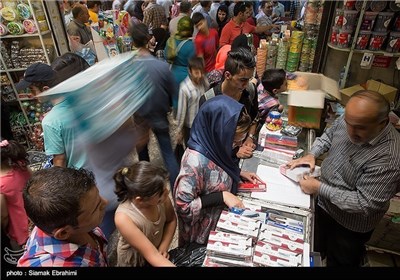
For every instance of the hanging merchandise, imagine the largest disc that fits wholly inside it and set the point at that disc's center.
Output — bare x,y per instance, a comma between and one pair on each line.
112,30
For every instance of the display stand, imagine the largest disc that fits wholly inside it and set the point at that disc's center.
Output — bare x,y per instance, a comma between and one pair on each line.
27,38
343,60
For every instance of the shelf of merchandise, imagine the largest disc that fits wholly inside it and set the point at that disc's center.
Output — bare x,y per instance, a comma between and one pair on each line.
45,38
382,53
342,83
341,60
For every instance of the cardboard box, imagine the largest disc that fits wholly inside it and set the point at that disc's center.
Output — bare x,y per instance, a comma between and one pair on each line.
320,83
305,106
387,91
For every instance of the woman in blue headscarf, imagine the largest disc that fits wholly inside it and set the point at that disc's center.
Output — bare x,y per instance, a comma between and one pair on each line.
209,176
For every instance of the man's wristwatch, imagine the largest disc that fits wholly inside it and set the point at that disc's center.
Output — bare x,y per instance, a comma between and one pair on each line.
251,136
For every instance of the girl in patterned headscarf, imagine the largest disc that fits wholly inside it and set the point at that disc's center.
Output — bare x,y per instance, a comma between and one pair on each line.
185,31
178,50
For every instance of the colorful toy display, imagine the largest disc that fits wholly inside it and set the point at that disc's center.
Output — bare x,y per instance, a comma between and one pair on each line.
274,121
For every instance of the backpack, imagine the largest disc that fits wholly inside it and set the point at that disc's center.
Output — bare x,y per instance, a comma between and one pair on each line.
251,88
171,56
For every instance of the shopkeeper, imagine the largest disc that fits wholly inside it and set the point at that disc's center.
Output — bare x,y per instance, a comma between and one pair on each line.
358,178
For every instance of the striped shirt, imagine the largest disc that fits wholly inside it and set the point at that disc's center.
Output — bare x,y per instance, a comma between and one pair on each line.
266,102
188,103
358,181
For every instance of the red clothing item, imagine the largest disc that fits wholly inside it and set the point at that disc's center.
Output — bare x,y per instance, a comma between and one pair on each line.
222,55
206,46
12,185
231,30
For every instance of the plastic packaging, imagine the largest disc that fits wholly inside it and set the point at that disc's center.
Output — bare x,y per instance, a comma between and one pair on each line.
362,40
3,29
383,21
396,24
349,20
359,4
274,121
343,39
339,18
393,42
29,26
349,4
291,130
377,40
334,34
368,21
15,28
96,108
24,11
378,6
189,256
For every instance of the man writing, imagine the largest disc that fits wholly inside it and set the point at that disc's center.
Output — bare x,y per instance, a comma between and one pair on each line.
358,178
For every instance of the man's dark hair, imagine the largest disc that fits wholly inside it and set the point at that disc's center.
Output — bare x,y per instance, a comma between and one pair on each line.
140,34
91,4
185,7
238,60
205,3
77,10
197,17
68,65
52,196
240,6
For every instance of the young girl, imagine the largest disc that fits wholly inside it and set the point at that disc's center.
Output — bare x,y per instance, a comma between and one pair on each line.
14,175
145,219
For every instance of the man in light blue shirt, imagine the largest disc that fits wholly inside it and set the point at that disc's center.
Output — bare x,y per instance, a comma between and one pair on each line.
59,136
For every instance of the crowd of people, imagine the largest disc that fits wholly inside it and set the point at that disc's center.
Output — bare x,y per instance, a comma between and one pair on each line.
205,78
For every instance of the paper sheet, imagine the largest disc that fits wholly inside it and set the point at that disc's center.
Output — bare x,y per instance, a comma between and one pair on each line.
280,189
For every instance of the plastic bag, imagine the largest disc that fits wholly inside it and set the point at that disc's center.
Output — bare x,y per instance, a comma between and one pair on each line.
192,255
104,96
86,51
